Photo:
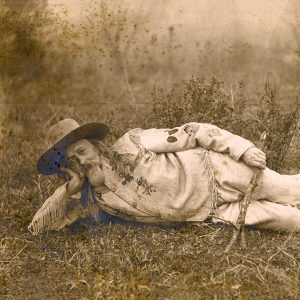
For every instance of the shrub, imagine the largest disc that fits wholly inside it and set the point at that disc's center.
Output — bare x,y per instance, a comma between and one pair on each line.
207,101
281,126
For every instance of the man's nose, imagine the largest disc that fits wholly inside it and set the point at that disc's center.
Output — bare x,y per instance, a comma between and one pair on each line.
81,161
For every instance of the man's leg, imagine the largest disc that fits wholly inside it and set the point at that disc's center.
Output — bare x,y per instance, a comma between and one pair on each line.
234,177
278,188
263,214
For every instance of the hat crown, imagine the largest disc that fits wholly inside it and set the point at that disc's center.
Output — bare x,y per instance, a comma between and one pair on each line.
60,130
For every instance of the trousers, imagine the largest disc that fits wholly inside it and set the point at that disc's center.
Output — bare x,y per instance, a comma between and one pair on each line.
275,203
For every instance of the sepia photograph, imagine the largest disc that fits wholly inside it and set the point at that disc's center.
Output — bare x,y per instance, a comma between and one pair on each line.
149,149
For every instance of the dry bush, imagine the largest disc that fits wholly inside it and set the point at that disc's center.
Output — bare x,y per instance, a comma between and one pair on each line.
207,101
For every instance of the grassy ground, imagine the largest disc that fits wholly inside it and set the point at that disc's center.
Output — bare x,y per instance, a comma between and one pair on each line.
125,261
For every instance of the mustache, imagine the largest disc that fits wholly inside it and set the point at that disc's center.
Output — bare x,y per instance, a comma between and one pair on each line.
95,175
89,164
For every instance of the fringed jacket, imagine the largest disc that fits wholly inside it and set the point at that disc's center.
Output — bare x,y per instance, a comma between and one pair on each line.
168,175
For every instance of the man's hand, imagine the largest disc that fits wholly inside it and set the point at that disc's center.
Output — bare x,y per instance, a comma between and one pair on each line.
76,182
254,157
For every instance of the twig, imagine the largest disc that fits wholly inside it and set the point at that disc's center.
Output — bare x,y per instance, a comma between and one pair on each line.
280,248
232,96
254,118
239,230
296,128
14,257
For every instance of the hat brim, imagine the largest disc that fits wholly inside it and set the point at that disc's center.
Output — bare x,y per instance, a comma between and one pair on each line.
50,161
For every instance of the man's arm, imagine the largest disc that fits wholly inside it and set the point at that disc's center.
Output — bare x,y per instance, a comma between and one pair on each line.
58,211
194,134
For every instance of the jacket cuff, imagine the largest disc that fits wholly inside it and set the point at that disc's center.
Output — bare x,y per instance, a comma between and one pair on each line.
240,149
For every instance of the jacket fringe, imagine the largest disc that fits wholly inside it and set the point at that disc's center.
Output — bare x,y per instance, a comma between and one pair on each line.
53,210
213,184
92,204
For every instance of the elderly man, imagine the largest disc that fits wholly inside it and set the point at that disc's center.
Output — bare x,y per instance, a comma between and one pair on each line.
184,174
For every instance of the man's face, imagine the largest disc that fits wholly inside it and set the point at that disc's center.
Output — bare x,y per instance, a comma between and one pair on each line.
81,154
82,157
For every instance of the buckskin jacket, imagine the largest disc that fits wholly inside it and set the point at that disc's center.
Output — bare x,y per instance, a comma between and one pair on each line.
171,175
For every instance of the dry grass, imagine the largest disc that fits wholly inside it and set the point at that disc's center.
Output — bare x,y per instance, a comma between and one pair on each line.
49,61
125,261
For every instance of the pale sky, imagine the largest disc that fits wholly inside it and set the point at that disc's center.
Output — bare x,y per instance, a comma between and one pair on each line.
256,19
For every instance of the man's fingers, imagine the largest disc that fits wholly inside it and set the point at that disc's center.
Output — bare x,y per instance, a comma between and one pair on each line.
258,151
261,157
260,154
256,158
259,165
68,171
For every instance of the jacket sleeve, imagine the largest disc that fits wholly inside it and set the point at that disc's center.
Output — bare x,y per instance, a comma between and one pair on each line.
57,212
191,135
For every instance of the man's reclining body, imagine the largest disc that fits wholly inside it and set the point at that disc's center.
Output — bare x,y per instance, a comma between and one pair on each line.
184,174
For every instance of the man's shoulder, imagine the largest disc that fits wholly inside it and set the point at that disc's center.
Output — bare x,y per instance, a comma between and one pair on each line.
127,142
135,138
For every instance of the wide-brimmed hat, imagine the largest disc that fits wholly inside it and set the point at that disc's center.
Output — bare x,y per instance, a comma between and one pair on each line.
61,135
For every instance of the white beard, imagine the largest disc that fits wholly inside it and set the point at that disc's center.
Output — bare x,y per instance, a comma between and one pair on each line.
95,175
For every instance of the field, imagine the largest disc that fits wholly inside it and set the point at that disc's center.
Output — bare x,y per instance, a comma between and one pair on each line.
131,67
113,260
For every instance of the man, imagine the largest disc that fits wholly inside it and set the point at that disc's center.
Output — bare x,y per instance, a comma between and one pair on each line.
184,174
